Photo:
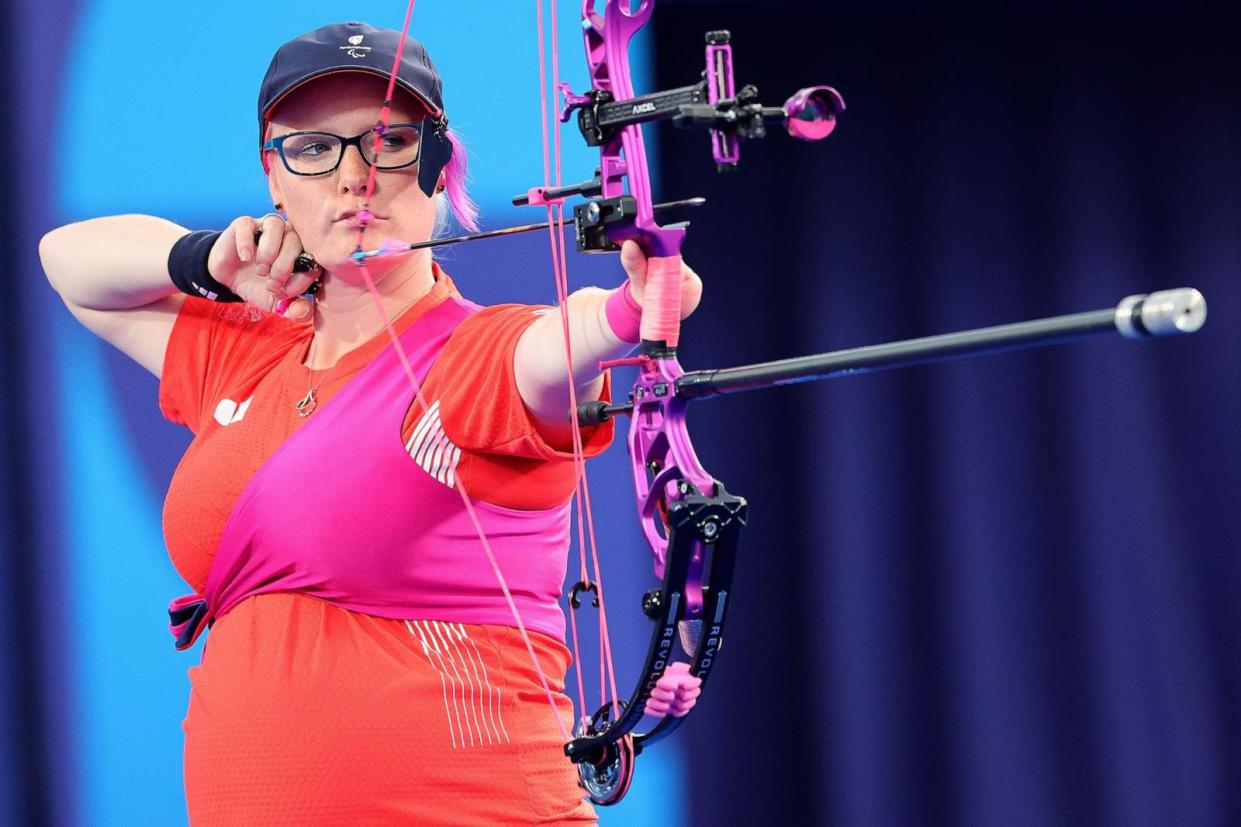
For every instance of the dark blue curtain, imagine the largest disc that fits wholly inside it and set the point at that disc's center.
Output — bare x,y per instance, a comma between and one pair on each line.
36,746
13,691
999,591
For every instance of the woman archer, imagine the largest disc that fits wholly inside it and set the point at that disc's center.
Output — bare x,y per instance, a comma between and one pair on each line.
363,666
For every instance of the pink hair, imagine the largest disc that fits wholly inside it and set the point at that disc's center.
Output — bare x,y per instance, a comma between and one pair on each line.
463,207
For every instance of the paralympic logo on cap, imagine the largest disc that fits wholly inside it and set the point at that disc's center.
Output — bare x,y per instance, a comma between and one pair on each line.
355,48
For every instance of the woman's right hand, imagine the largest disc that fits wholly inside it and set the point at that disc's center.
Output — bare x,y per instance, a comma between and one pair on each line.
260,272
112,273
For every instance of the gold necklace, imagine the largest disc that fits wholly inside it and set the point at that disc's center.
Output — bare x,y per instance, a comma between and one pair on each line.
307,404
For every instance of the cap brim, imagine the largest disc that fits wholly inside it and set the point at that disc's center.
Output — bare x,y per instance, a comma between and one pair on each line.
354,68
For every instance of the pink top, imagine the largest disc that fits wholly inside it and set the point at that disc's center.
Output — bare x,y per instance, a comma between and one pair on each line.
404,549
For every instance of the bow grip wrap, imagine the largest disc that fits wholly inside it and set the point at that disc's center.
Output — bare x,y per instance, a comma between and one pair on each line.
661,301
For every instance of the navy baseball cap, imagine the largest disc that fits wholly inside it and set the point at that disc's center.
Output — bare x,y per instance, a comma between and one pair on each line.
358,47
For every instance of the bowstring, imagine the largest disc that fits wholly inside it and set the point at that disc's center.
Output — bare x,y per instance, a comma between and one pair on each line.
585,514
555,234
365,216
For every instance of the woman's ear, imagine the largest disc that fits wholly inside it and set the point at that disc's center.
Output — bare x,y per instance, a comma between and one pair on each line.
273,188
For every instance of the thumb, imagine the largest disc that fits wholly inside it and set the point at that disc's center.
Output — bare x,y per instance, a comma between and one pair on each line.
300,310
634,261
295,308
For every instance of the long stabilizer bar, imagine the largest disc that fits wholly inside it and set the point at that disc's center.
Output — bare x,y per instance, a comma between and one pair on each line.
1165,313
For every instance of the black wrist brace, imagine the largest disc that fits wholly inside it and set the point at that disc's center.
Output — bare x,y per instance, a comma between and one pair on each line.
187,265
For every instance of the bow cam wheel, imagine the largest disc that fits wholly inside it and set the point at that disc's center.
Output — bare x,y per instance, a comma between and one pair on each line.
608,780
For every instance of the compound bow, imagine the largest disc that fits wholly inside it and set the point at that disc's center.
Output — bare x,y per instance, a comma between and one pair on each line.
690,520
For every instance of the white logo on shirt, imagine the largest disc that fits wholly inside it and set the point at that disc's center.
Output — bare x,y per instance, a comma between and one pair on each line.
228,411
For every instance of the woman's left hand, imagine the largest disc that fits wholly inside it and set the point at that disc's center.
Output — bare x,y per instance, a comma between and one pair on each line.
634,261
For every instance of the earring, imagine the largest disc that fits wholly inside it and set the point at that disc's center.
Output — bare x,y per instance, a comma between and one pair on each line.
279,206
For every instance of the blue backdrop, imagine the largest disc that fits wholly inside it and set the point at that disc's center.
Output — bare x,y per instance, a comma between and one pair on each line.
162,99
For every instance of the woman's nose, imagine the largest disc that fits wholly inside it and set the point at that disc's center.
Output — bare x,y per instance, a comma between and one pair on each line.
353,171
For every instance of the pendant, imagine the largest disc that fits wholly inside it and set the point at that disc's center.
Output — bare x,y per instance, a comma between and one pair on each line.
306,406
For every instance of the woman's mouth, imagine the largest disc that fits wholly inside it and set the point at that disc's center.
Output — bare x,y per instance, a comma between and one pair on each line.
356,219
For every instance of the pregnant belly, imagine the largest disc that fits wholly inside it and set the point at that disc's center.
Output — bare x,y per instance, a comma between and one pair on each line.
302,712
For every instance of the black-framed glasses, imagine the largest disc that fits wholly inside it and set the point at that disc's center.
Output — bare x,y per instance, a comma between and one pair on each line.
318,153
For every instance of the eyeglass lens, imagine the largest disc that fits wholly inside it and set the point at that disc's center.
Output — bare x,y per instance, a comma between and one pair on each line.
311,153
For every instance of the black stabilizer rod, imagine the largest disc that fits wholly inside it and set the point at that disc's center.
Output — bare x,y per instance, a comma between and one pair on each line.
1165,313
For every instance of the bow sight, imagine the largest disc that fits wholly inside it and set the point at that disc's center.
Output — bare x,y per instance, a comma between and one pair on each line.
712,103
810,114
